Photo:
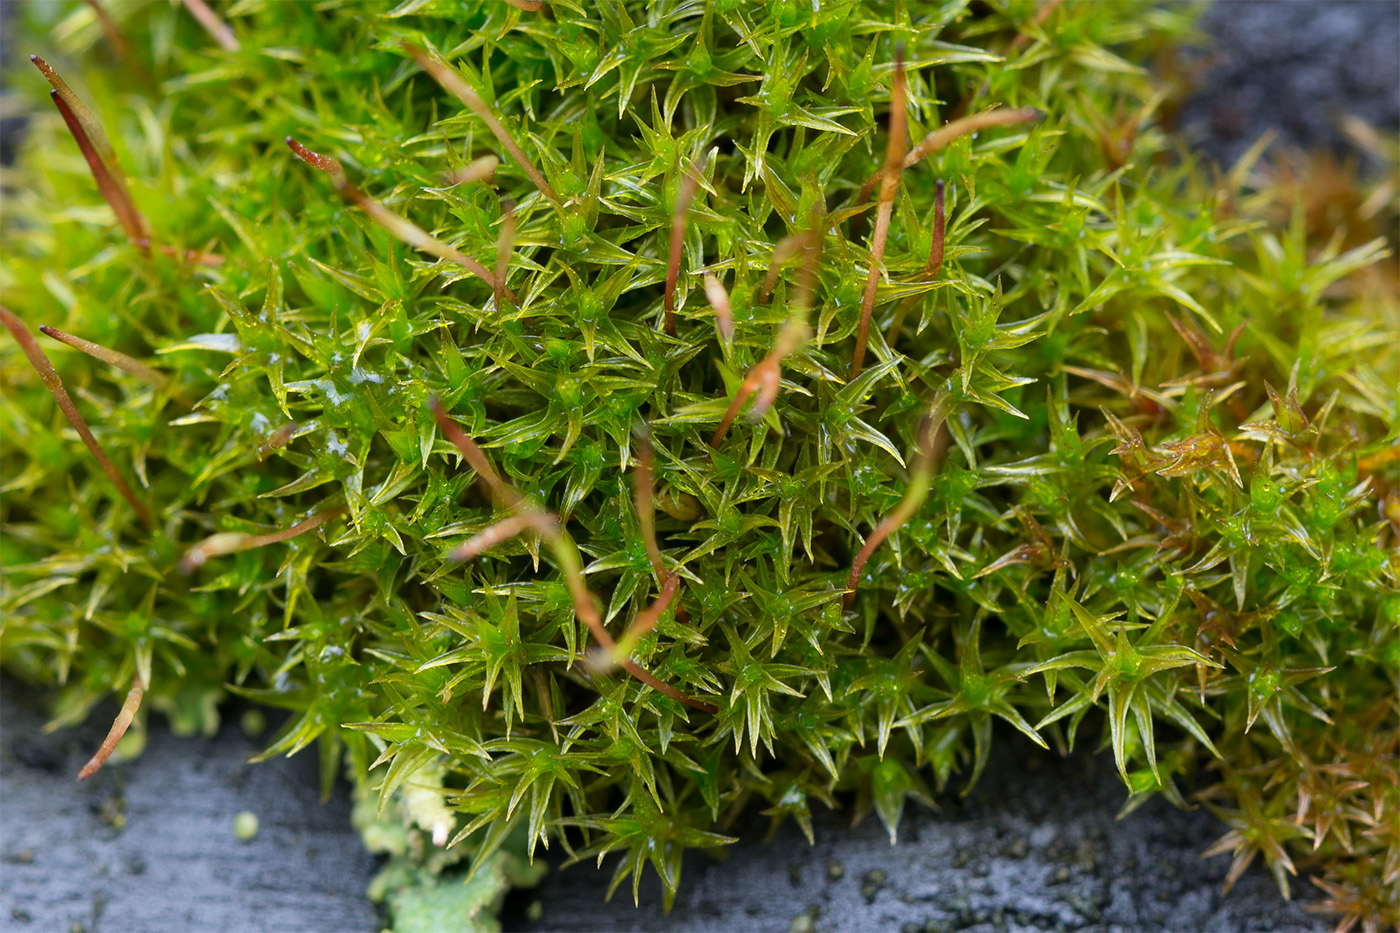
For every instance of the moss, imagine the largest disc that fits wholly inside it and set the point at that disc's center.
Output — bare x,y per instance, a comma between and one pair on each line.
645,413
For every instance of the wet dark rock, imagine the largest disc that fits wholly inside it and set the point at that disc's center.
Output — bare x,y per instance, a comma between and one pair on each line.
148,844
1297,67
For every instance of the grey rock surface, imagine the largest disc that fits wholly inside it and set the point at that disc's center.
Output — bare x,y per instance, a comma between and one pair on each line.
149,845
1296,67
1034,846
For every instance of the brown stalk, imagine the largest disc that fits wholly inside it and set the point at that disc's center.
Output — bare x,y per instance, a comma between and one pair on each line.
645,621
765,378
948,132
932,440
49,376
935,262
92,129
529,6
218,30
97,150
889,187
529,514
400,227
113,190
120,360
685,193
119,727
476,458
277,439
102,162
454,85
724,311
231,542
644,499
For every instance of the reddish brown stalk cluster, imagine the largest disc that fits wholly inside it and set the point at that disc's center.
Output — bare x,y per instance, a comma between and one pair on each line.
527,515
685,193
889,187
931,440
454,85
102,162
97,150
49,376
896,161
400,227
119,727
765,378
230,542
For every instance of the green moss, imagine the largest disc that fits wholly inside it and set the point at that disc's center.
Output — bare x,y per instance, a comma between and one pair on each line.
1164,492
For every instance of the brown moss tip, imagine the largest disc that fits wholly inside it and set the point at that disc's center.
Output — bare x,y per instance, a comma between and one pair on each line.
227,542
97,151
315,159
114,735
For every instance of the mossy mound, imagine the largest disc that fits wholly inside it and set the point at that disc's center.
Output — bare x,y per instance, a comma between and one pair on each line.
1043,417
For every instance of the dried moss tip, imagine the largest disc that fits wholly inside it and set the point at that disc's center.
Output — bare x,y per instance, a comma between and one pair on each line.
120,360
114,735
718,298
229,542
